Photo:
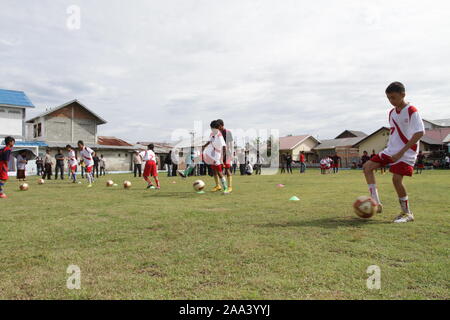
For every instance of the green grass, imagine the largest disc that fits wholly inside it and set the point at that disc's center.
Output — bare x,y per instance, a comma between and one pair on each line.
253,244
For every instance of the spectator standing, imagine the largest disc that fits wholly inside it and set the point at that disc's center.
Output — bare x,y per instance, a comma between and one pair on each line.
137,160
365,157
336,163
39,166
289,163
241,161
169,164
102,164
302,162
96,164
48,161
420,164
283,162
447,162
21,166
59,167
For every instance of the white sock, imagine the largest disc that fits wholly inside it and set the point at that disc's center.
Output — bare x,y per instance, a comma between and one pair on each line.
224,183
374,193
404,204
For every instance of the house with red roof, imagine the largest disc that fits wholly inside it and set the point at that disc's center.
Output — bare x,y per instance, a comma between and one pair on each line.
294,145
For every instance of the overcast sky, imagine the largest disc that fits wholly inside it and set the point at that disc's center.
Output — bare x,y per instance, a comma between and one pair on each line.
149,67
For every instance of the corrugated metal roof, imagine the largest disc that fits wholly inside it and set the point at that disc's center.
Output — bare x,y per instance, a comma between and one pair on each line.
438,134
333,143
290,142
112,141
440,122
353,132
101,120
15,98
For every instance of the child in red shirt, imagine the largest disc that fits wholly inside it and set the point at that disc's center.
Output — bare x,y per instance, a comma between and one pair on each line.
5,155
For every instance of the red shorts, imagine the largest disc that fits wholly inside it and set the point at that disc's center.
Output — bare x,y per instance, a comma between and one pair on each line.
217,168
401,168
421,166
3,174
150,169
323,166
73,168
335,165
89,169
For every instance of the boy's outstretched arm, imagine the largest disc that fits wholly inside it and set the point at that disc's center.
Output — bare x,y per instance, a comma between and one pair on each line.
414,139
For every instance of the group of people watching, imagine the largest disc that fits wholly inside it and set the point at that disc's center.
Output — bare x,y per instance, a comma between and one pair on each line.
45,164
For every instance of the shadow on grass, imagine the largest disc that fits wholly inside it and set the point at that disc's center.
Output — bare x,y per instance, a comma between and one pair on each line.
171,194
328,223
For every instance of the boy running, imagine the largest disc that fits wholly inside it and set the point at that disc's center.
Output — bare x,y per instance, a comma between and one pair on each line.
72,159
87,155
5,155
406,130
150,169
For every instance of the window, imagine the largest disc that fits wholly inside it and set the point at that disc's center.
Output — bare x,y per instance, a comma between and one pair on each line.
14,111
37,130
119,155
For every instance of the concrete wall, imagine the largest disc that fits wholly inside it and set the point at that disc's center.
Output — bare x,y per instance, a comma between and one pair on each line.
60,129
376,142
116,160
11,122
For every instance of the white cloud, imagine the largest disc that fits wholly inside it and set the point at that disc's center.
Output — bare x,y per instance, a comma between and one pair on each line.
150,67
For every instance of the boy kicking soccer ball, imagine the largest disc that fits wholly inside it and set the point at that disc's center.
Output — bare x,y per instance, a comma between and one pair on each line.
87,155
5,155
406,130
150,169
213,155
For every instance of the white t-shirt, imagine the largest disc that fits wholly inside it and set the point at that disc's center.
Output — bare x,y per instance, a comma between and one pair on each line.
403,126
86,154
72,158
213,152
21,166
148,155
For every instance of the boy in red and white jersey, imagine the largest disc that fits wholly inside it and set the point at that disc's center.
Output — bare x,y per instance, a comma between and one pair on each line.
401,153
73,162
213,155
87,155
150,169
5,155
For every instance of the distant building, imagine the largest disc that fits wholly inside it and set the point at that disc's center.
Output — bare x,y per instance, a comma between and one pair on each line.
13,107
436,124
351,134
293,145
69,122
343,146
376,141
73,121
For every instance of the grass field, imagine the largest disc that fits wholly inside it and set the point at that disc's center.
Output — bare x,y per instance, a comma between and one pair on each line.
253,244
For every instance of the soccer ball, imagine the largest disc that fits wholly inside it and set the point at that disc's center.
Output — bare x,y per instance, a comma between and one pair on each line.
109,183
41,181
23,187
365,207
127,184
199,185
